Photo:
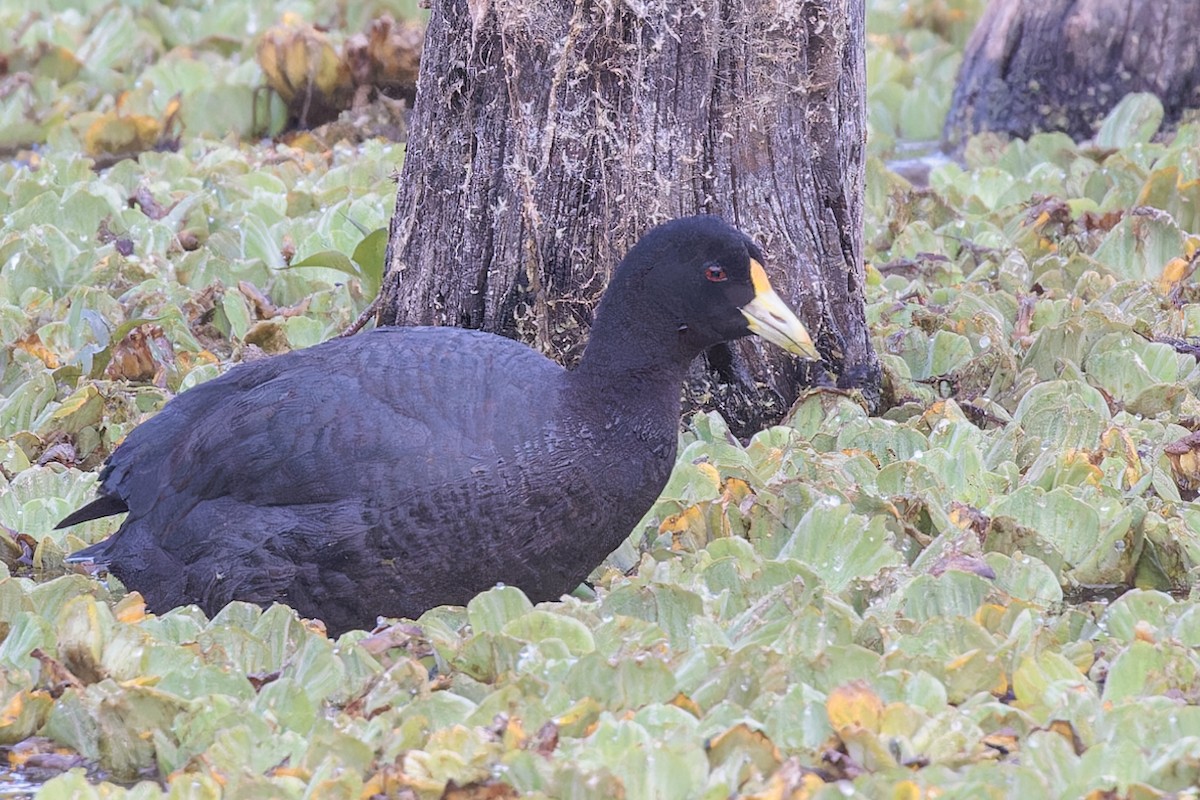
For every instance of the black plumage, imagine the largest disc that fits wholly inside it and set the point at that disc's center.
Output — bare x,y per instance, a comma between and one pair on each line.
405,468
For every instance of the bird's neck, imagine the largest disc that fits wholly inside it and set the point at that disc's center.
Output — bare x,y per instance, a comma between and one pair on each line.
627,344
638,377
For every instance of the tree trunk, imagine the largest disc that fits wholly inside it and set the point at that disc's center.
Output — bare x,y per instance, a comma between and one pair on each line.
1061,65
547,135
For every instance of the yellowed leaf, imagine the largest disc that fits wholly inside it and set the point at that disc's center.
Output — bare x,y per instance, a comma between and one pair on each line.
1118,440
77,403
1185,461
690,519
689,705
1191,244
514,734
735,490
1174,273
792,781
1003,742
32,344
116,134
854,705
130,609
755,745
302,67
12,710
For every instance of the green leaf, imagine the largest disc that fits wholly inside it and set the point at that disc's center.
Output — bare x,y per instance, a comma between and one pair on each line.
1146,669
1071,526
538,626
840,546
367,263
952,593
1140,246
1134,120
371,257
490,611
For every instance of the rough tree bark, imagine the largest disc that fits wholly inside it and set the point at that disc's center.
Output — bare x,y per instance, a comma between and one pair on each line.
1061,65
547,135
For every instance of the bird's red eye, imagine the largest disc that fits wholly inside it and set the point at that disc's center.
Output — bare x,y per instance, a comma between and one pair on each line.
715,273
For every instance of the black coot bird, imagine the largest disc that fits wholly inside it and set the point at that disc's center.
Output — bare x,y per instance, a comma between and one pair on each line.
406,468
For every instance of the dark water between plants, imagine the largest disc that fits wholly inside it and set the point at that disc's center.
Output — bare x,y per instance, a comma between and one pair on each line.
914,160
14,786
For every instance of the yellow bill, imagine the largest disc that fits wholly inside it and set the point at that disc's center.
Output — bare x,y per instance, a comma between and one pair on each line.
770,318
